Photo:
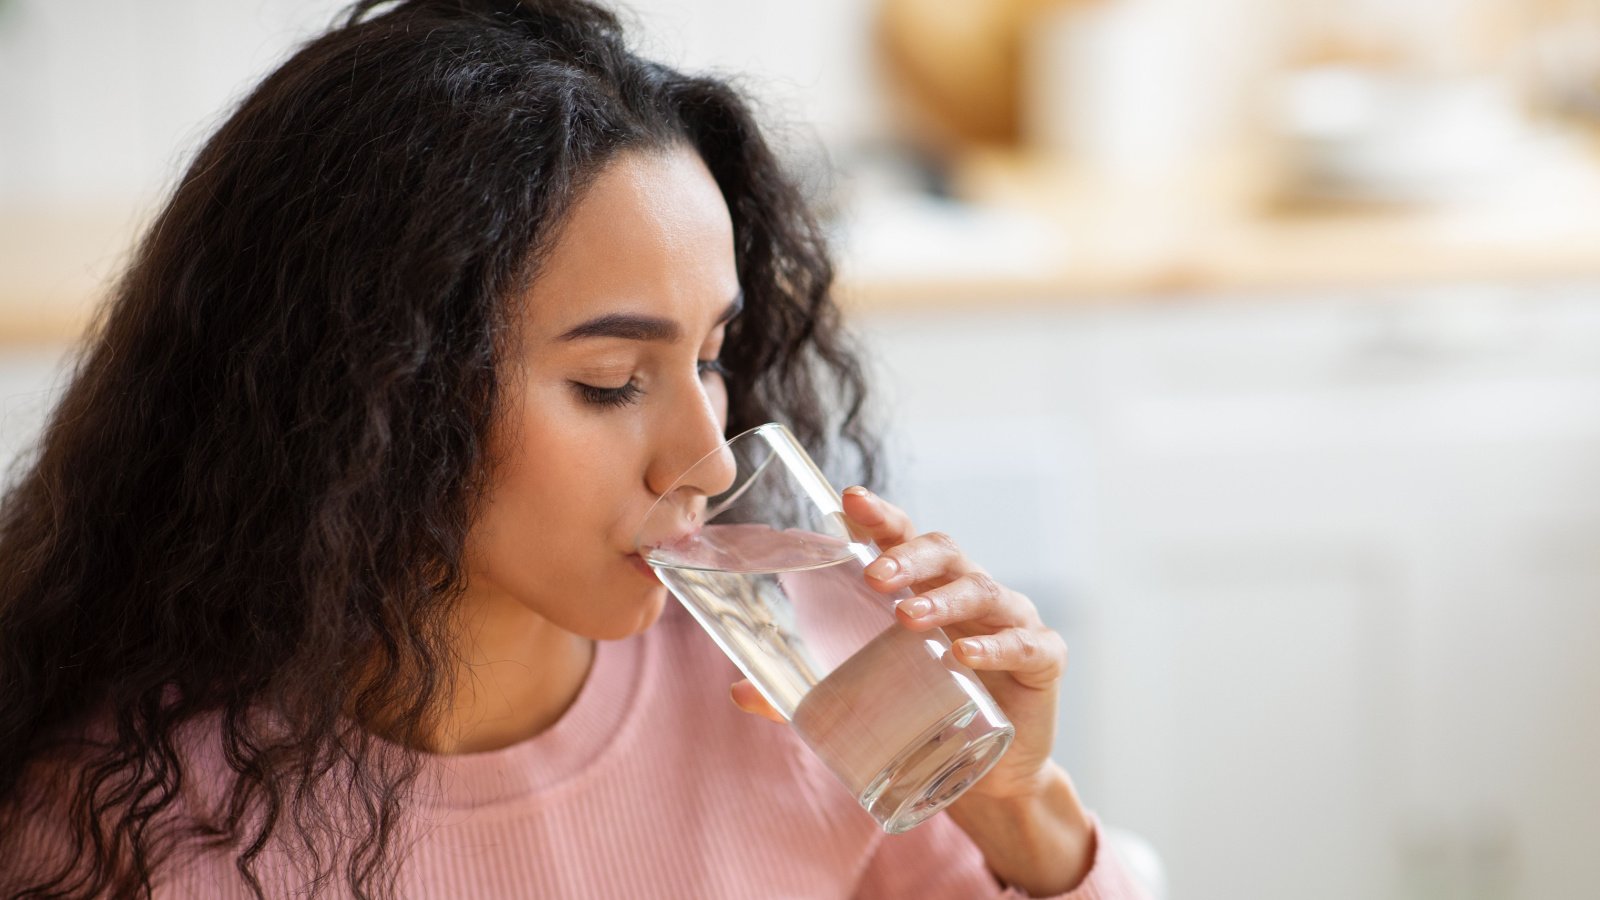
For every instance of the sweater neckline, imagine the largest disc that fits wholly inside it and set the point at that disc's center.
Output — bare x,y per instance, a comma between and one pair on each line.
594,725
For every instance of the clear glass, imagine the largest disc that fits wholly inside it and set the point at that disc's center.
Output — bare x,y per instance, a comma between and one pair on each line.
753,540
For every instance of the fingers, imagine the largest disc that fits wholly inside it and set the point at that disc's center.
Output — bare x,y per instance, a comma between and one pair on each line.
923,561
951,590
746,697
883,523
1035,657
975,598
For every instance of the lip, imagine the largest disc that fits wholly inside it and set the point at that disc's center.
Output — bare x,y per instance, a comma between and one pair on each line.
643,567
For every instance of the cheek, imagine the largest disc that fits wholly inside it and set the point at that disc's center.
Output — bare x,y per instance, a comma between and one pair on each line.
545,526
561,491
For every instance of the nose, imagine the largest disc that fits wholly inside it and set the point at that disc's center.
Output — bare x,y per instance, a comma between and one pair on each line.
688,434
689,452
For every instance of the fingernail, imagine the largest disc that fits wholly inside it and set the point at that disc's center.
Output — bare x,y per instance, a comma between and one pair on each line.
918,608
973,648
883,568
858,490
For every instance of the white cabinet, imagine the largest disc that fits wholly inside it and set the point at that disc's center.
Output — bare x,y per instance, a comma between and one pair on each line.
1330,568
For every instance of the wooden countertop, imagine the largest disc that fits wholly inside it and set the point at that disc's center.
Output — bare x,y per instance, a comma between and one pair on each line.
1214,231
56,265
1219,230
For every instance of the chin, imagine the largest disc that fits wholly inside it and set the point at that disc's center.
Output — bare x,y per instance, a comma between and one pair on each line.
637,617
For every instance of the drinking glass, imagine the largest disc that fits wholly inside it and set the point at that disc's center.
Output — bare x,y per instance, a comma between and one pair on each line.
754,542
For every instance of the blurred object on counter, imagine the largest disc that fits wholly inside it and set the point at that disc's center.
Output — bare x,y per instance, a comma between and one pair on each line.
1366,135
955,67
1435,37
1561,59
900,224
1139,88
1428,104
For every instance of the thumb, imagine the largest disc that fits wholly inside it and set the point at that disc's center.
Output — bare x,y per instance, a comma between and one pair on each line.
746,697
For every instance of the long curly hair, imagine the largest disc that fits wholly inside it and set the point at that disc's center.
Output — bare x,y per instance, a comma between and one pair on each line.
246,515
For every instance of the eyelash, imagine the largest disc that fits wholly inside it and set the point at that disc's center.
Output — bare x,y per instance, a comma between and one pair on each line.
629,393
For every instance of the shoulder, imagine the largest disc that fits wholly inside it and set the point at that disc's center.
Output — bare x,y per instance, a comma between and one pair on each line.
178,791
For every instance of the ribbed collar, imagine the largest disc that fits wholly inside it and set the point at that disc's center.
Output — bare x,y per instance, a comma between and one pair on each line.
609,702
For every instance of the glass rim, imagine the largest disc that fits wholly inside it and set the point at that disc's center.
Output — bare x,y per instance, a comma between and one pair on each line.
729,496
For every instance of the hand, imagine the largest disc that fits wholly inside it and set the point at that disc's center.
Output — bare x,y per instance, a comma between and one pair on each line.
1017,658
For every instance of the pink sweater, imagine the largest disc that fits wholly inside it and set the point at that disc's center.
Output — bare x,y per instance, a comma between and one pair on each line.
653,784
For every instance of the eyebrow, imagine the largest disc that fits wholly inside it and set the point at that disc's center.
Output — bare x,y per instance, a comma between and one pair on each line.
632,327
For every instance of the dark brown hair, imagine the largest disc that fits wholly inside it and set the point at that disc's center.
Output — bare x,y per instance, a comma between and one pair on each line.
248,510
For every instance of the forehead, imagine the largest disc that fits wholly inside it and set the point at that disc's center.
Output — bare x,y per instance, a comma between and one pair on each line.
650,235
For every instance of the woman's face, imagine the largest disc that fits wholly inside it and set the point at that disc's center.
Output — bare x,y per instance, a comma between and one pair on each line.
609,397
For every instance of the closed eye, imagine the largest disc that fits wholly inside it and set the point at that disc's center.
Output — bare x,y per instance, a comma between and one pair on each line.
611,398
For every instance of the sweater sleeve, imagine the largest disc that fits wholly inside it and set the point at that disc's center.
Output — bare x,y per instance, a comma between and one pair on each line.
937,861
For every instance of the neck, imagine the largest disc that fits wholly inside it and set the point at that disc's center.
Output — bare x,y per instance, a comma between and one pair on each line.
518,674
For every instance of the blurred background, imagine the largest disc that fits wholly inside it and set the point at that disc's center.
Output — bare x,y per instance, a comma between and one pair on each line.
1258,341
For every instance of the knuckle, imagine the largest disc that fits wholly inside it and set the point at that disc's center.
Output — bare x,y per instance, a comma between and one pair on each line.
945,601
1027,648
983,584
942,541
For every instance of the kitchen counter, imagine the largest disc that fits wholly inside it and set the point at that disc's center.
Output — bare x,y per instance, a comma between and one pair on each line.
1220,230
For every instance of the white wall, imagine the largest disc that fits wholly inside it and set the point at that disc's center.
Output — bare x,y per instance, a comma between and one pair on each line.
103,101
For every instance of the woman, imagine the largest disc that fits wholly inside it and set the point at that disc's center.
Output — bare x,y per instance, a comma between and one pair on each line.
320,579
